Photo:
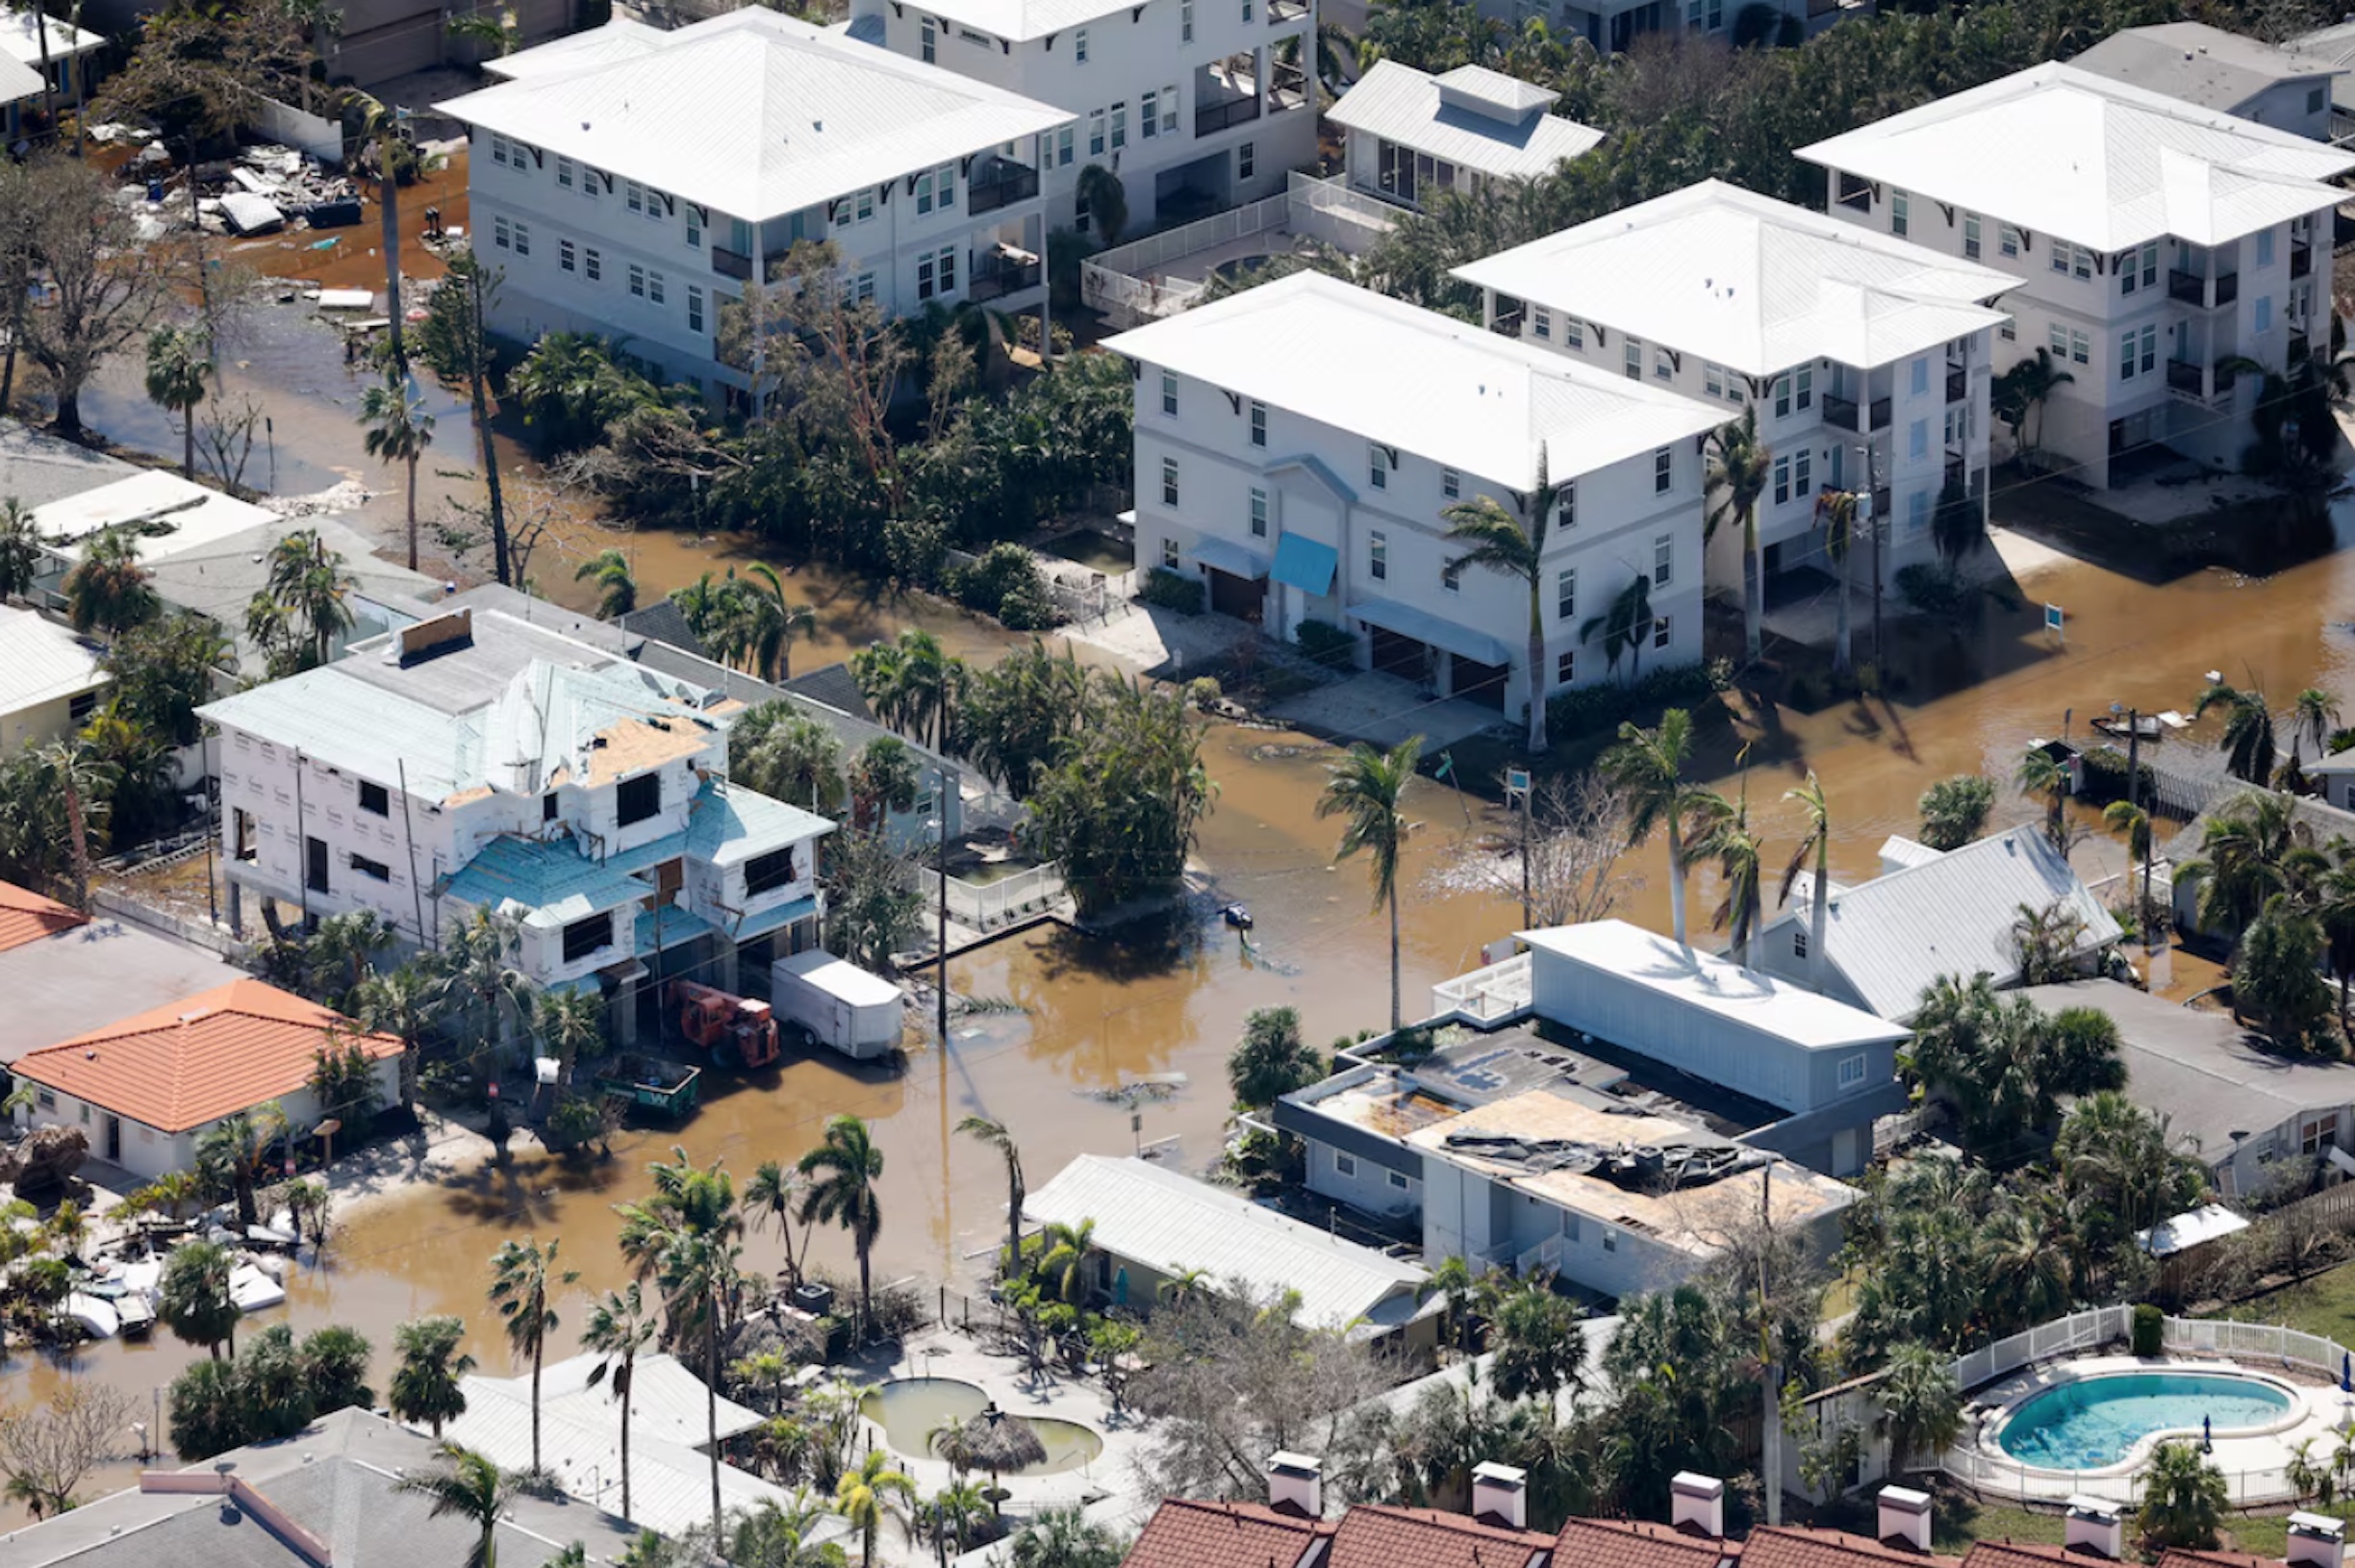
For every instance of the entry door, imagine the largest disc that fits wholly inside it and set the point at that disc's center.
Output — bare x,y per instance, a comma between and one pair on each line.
113,1140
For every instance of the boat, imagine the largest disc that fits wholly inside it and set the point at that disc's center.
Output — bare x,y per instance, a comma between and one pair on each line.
97,1318
254,1291
1238,916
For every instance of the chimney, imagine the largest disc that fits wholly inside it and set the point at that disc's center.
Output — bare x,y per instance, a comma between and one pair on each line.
1905,1518
2315,1541
1295,1484
1500,1494
2095,1526
1697,1503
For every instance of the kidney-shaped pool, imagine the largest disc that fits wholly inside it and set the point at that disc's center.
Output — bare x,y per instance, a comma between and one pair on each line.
910,1409
2093,1423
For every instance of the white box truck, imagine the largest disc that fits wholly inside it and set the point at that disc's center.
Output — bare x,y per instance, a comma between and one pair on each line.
839,1003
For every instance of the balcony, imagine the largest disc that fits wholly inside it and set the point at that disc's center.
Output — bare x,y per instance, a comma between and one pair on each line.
1003,184
1855,194
1957,383
1287,88
1212,118
1507,322
2301,258
729,264
998,274
2199,383
1843,413
2193,288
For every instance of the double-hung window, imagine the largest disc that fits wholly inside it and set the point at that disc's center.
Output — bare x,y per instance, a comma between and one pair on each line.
1377,555
1258,424
1378,468
1663,470
1901,210
1169,481
1970,237
1258,513
1169,392
1663,559
1565,594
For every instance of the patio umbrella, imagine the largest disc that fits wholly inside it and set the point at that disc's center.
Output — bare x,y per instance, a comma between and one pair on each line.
2206,1436
2347,1373
995,1441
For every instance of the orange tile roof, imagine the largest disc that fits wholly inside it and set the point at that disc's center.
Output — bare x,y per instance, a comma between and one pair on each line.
26,917
1186,1533
1381,1535
2033,1555
188,1063
1786,1546
1620,1543
2183,1557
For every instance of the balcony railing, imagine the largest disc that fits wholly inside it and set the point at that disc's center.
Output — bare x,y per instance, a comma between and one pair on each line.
1844,412
729,264
1958,385
2183,376
1212,118
1856,197
1507,322
1287,88
2301,258
2194,289
1005,184
994,278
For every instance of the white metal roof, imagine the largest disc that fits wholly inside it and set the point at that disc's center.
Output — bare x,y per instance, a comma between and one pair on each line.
1752,283
2199,63
665,1399
620,37
2061,151
1893,936
1474,118
1170,1223
2210,1222
1022,20
19,41
756,115
1414,379
1706,983
175,515
41,661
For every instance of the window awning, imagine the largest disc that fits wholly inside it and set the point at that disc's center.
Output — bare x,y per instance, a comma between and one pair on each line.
1436,630
1232,559
1304,563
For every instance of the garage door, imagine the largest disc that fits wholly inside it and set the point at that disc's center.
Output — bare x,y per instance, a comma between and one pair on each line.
1398,655
1481,683
1242,597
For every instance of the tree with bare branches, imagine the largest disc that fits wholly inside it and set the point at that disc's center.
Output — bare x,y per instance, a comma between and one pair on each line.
47,1449
105,287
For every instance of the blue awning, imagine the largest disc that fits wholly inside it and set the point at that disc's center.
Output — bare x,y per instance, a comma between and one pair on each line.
1436,630
770,920
1304,563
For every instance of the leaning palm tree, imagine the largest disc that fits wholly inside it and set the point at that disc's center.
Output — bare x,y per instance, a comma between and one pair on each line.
1741,468
2127,817
398,431
2248,745
1837,514
467,1486
380,123
1818,844
2042,773
617,588
1368,788
773,1193
1741,872
178,374
1501,542
619,1328
995,1135
844,1168
1649,765
521,1273
765,624
84,786
865,1496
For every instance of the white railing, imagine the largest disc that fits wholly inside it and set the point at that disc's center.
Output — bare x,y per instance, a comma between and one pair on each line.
1349,221
984,906
1546,1256
2040,1343
1488,994
1129,284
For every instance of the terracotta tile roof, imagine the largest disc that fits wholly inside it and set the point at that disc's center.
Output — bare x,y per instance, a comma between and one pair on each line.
1378,1535
188,1063
2180,1558
26,917
1788,1546
1620,1543
2034,1554
1186,1533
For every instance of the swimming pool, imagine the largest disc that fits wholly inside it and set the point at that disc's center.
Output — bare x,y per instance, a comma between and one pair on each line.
2094,1422
910,1409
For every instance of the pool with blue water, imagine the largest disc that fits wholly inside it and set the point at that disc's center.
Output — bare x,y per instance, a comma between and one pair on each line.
2094,1422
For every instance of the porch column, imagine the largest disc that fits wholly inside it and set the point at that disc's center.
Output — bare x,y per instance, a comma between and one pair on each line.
723,967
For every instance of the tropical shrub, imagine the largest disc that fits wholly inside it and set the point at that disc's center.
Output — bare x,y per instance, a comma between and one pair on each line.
1167,590
2150,1324
1605,707
1331,645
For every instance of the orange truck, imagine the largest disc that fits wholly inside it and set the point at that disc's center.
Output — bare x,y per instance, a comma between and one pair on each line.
737,1030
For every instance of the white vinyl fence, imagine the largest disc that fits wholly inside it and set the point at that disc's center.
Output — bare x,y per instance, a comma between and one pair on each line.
985,907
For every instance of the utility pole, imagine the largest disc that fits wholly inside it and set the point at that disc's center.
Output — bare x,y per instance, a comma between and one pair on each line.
1770,1456
2134,792
948,782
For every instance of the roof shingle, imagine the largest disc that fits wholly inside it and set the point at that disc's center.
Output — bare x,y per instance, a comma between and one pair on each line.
1787,1547
1622,1543
25,915
1186,1533
1381,1535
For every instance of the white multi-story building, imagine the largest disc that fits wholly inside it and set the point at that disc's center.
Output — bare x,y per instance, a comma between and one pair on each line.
1610,26
1296,444
625,182
2156,244
1412,134
477,762
1196,105
1866,360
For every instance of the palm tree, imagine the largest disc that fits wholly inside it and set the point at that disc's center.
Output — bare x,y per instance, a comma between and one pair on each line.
107,591
194,1301
1064,1537
2248,746
2245,849
2313,717
771,1195
2127,817
2021,394
236,1148
1065,1263
1818,844
1649,765
426,1383
1499,542
2040,772
686,1238
619,1328
20,549
761,625
1368,789
1106,200
1835,515
2184,1497
572,1024
1623,625
308,583
179,373
380,123
469,1487
617,589
475,960
1741,870
342,951
844,1168
1741,468
82,782
864,1497
995,1135
519,1276
403,1002
399,427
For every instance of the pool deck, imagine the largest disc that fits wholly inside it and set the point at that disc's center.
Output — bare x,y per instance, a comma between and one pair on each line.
2253,1463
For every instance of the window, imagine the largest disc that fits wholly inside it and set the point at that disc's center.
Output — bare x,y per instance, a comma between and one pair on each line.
2139,268
563,173
1573,333
1344,1164
1611,1239
1450,577
1185,22
2081,346
637,799
1169,554
637,280
2314,100
1782,479
593,265
1397,1179
1169,394
924,191
654,287
1917,512
2262,321
927,40
1851,1071
1541,322
1246,159
1663,470
2319,1133
1063,148
1080,46
46,1099
1258,424
1169,481
2081,263
1247,10
523,239
1900,208
1919,373
498,148
1663,364
376,870
2060,257
567,257
2007,239
1565,594
1119,126
1095,133
1450,484
1971,236
1149,116
2138,348
376,799
936,272
1565,510
1377,555
1566,669
694,230
547,807
694,308
584,937
1805,382
1799,942
766,873
314,865
1712,379
1917,439
1258,513
2264,247
2060,341
1660,633
1378,468
862,289
1663,559
1631,358
1782,395
502,233
1802,481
